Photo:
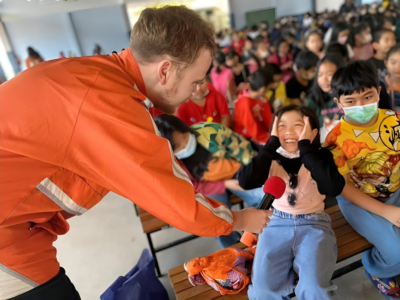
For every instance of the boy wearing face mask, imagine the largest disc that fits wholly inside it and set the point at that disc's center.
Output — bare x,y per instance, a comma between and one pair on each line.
205,105
298,86
365,145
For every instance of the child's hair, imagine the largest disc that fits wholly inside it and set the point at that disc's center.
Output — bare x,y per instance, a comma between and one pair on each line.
317,94
310,33
354,78
220,59
306,60
356,30
337,48
273,68
394,49
378,35
231,54
337,28
197,164
304,111
257,40
259,79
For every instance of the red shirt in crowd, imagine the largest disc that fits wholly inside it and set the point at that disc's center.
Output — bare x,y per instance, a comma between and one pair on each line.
286,73
253,119
215,107
237,46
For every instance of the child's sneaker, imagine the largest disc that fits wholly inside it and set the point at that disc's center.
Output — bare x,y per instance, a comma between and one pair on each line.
387,286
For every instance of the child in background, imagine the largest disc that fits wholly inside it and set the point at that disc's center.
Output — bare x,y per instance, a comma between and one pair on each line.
237,44
223,79
276,96
253,113
313,42
321,99
205,105
384,39
365,145
360,39
240,71
298,86
258,56
299,238
247,49
339,49
284,60
340,34
392,80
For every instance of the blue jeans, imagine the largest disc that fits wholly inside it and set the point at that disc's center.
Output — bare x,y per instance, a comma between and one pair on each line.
251,197
383,260
305,244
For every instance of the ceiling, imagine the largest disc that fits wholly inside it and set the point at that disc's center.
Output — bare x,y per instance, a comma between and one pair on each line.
15,9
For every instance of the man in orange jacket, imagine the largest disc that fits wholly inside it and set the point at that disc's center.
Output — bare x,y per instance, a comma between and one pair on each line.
74,129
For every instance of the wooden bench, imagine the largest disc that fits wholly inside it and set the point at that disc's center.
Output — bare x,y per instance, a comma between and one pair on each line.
349,244
151,224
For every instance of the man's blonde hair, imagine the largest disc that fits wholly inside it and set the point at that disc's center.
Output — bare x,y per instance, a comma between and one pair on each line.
173,32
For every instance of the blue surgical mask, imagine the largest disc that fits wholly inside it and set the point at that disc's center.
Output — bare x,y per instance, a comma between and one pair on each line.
189,149
361,114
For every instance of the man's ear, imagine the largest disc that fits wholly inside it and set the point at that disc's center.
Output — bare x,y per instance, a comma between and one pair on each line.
375,46
164,71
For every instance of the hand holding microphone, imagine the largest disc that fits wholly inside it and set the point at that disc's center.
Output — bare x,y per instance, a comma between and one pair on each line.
274,188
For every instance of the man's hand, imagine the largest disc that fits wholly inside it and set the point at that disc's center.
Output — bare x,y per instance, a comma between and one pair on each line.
233,184
392,214
251,220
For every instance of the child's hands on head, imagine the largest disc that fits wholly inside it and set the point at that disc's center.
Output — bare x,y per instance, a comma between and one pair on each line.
308,133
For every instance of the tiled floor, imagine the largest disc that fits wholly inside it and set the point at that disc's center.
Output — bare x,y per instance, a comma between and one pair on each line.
107,241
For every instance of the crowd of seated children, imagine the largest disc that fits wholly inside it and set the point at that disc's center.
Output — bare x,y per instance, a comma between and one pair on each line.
296,61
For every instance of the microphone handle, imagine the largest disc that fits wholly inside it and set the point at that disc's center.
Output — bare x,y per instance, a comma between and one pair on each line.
266,202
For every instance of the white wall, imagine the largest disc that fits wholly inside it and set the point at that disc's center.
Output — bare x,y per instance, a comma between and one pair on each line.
47,34
106,26
239,8
329,5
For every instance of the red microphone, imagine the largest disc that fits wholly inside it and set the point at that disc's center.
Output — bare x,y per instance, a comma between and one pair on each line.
274,188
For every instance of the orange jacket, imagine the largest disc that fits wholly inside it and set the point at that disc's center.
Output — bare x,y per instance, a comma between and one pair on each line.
72,130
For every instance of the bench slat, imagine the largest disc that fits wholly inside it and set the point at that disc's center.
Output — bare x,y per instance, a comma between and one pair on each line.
339,223
353,248
179,277
193,291
176,270
343,230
